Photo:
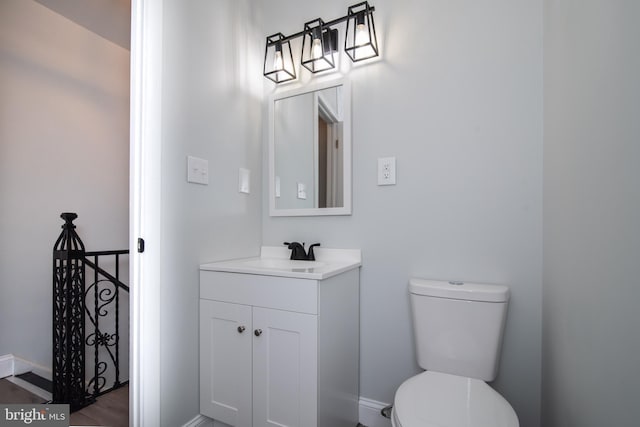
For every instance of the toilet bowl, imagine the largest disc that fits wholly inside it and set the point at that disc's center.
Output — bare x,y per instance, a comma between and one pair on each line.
458,332
434,399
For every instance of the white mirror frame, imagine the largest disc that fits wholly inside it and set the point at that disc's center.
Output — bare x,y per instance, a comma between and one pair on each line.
346,130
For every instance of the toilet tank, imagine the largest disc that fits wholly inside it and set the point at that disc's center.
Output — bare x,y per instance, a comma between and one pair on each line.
458,326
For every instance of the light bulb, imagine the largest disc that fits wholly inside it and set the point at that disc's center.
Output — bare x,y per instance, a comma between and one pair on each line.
278,64
316,49
362,36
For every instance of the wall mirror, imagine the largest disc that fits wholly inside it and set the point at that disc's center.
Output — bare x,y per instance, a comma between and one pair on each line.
310,150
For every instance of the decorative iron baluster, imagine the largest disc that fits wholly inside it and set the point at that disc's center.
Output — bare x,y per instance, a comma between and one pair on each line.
96,344
104,292
68,318
71,309
116,384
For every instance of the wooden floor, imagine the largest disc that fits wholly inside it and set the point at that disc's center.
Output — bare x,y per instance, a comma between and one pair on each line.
11,393
111,409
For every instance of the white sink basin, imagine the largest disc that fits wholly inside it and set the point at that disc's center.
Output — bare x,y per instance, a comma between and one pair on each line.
274,261
283,264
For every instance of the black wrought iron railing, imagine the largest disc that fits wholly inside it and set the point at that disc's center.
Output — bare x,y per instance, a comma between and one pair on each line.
89,301
104,295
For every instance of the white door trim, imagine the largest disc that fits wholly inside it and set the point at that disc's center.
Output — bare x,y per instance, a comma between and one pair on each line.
145,221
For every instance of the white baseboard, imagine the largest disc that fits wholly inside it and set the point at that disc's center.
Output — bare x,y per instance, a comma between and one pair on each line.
13,365
369,413
10,366
6,365
200,421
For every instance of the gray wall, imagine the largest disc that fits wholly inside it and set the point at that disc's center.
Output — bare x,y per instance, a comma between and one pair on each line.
211,109
591,212
110,19
64,146
457,98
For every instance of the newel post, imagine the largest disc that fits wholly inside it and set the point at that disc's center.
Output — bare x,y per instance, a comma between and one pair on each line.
69,317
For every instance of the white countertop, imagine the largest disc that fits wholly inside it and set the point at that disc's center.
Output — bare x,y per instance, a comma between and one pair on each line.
274,261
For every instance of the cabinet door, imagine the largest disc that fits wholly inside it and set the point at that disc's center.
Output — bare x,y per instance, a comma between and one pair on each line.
225,362
284,368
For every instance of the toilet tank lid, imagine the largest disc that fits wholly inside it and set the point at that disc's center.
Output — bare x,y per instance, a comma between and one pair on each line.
459,290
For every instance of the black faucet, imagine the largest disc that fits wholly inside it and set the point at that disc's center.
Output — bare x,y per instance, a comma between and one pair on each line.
298,252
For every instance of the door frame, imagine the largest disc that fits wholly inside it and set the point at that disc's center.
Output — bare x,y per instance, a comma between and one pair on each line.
145,211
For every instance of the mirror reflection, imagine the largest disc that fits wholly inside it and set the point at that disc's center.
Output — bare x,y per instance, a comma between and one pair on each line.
309,146
308,150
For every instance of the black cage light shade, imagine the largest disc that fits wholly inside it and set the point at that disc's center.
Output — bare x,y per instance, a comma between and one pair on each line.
360,40
319,43
278,59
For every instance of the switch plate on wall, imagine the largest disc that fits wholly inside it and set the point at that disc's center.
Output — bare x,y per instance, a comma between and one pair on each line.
197,170
387,171
244,176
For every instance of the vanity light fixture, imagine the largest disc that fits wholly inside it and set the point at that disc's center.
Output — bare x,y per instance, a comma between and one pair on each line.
320,43
278,59
361,42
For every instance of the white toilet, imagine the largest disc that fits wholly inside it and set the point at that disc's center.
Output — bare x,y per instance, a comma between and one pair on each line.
458,333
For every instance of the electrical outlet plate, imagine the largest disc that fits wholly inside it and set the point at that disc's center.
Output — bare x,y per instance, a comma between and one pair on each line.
387,171
302,191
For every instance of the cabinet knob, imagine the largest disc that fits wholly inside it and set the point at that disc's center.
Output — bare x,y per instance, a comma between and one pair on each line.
257,332
241,329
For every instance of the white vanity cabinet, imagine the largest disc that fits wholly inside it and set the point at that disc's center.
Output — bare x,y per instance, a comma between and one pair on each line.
279,351
257,363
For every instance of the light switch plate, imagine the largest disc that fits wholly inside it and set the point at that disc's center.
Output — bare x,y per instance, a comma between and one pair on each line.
277,186
197,170
244,177
387,171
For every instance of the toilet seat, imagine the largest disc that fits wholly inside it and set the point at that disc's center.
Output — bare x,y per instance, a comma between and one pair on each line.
434,399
